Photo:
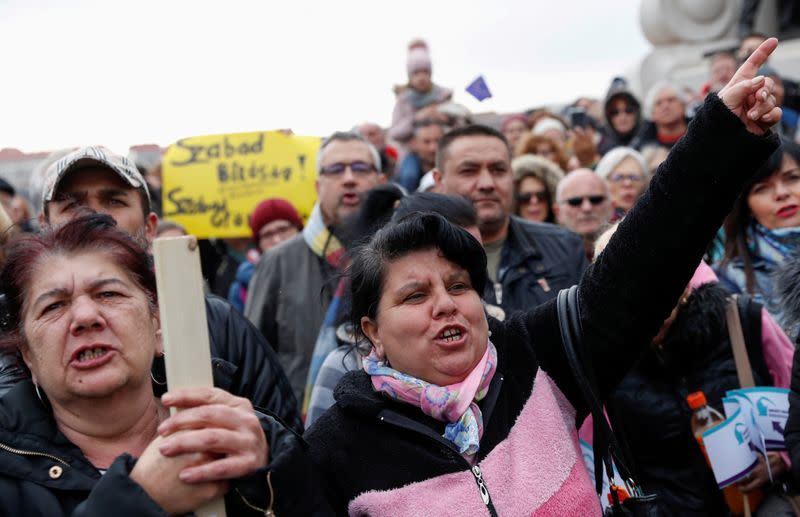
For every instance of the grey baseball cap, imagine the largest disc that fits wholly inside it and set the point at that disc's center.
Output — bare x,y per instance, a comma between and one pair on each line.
91,156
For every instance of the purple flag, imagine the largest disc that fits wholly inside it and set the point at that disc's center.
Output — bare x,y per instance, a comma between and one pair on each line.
479,89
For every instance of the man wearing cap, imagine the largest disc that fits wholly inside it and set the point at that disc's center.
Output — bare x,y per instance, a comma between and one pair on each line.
244,363
294,282
527,263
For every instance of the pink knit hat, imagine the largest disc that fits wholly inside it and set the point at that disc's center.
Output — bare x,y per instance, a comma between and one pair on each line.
273,209
511,118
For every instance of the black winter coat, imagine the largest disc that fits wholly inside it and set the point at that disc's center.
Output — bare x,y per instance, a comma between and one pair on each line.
43,474
788,290
365,442
650,406
250,365
537,260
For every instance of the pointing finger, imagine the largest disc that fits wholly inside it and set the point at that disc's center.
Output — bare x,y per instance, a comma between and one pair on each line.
750,67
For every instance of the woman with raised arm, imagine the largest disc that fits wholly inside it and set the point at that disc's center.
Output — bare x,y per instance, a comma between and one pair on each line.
457,414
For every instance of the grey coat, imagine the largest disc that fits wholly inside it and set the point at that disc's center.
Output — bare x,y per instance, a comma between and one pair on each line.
286,300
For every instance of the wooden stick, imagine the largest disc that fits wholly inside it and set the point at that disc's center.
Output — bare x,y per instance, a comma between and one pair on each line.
183,324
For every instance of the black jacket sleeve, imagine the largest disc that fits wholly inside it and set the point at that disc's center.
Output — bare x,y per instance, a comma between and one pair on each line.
11,371
258,376
117,493
290,484
792,431
634,284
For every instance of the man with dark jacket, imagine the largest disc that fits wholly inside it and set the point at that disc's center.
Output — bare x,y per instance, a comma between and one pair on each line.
528,263
94,177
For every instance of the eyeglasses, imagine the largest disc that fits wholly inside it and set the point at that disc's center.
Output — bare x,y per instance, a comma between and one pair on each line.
279,231
578,201
630,110
525,197
358,168
622,176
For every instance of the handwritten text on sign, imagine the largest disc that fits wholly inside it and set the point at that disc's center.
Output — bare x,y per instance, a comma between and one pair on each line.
213,183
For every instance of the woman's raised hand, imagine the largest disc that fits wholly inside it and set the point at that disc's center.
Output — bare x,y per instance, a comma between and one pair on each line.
752,97
214,422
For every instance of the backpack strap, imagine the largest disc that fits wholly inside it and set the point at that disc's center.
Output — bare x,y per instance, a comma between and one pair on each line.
743,369
751,314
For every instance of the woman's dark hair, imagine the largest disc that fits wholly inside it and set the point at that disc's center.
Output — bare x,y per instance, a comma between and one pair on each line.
455,209
89,232
388,203
415,232
740,218
376,210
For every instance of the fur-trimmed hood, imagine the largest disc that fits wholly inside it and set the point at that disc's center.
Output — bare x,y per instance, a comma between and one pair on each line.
787,288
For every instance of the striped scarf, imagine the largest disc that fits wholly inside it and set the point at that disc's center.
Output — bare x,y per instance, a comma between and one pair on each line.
324,244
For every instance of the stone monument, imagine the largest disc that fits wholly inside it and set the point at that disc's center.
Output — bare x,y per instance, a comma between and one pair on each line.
685,32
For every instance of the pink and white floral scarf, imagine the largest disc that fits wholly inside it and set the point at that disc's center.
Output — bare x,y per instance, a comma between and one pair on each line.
455,404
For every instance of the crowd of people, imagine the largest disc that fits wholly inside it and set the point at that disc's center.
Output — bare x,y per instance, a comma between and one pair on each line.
399,352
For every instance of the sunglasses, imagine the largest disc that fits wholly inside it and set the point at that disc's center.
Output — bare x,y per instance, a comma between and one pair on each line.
630,110
525,197
358,168
578,201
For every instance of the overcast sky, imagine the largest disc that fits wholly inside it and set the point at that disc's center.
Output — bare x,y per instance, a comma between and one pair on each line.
119,73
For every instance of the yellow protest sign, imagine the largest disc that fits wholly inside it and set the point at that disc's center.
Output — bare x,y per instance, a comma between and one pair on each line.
211,184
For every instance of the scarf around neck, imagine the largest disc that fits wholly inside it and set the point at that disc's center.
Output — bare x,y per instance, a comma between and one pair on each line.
324,244
419,100
773,245
455,404
321,240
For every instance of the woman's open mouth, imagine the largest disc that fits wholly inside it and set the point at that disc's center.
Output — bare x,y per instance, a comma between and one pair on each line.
91,357
450,335
787,211
453,335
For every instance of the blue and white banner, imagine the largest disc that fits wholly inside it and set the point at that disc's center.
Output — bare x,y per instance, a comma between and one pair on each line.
770,408
729,449
755,421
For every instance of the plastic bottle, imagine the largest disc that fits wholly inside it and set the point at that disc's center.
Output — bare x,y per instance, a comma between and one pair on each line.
704,418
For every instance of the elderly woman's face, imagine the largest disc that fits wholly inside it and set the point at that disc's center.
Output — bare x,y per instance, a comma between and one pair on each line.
430,322
626,182
89,329
775,201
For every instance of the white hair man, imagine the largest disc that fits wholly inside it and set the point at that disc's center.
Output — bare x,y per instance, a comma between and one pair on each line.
583,206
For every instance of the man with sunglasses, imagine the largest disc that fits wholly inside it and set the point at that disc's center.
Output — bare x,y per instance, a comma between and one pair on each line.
291,286
527,262
623,117
583,206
